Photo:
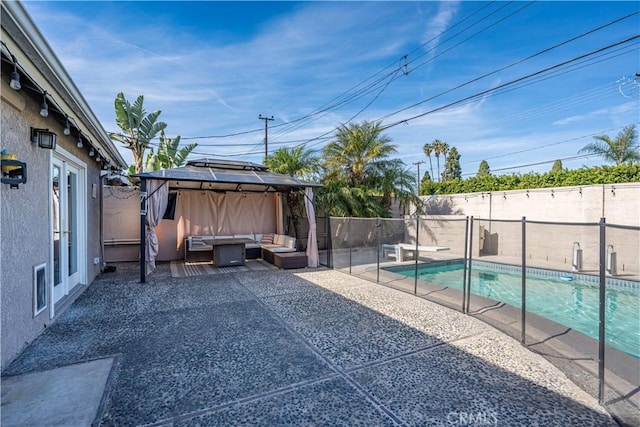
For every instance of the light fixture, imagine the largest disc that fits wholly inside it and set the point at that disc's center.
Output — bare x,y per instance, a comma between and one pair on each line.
43,138
91,152
80,144
44,108
67,128
98,157
15,77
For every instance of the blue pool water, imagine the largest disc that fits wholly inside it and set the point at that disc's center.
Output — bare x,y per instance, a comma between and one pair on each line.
570,302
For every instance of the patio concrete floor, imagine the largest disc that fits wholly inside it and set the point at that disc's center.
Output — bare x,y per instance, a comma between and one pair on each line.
304,347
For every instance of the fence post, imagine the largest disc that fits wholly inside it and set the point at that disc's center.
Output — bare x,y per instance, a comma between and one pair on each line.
415,279
329,243
523,310
378,226
350,242
601,321
470,261
464,271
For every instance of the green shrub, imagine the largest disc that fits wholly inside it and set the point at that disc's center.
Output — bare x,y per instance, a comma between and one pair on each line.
562,178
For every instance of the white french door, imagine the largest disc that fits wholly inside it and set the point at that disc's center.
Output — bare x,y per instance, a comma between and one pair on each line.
69,225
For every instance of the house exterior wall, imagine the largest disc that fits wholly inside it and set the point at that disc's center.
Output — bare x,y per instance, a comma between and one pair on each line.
25,221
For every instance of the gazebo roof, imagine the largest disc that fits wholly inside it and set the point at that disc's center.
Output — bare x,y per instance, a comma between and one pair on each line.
226,175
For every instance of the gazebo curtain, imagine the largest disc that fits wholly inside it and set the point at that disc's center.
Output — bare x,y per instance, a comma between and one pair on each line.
312,243
158,192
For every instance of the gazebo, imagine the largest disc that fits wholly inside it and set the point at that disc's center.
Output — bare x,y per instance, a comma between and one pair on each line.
216,195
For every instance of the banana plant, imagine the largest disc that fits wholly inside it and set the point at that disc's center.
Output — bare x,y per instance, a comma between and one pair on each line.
138,127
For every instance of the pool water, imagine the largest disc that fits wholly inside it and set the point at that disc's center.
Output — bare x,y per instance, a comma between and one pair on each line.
571,303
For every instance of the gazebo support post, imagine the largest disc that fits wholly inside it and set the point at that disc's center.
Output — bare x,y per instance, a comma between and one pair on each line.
143,220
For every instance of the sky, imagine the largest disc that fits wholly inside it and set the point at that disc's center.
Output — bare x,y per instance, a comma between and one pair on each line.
519,84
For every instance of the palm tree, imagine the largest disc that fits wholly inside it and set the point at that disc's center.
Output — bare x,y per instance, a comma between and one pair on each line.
138,127
437,150
444,150
623,148
298,162
428,149
340,198
168,155
394,180
356,146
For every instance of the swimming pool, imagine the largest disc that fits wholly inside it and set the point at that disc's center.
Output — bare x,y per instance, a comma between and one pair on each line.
571,303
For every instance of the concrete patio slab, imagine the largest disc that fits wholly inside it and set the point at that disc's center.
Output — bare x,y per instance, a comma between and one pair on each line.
312,347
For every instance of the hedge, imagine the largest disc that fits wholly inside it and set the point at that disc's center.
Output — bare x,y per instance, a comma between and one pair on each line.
564,178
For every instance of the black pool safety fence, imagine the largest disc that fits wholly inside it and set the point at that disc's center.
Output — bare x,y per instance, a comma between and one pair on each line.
568,291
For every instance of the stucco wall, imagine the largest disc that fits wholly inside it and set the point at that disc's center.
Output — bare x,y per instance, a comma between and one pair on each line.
25,220
618,203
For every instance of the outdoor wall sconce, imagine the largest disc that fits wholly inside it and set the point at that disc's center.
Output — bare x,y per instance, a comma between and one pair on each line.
44,138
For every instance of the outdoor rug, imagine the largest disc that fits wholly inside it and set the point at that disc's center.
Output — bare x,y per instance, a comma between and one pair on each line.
188,269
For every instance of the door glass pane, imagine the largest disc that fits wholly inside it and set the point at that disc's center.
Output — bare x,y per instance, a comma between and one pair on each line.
57,227
72,218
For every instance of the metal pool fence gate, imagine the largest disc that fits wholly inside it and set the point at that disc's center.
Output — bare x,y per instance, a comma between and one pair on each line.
390,252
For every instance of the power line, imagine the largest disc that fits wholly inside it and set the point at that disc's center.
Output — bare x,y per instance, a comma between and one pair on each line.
544,146
512,82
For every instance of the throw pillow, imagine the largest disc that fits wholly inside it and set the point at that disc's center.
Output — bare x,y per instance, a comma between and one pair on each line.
267,238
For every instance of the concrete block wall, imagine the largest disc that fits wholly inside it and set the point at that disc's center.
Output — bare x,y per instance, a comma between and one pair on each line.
618,203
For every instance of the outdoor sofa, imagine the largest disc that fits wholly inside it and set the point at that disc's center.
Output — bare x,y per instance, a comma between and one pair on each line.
271,242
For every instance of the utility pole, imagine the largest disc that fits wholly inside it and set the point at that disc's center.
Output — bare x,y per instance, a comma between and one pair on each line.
266,127
418,180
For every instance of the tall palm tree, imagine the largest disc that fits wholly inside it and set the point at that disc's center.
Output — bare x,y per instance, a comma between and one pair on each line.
298,162
444,150
623,148
138,127
428,149
437,150
168,155
356,146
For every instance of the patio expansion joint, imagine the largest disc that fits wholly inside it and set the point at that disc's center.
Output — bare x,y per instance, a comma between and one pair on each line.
410,353
340,373
247,399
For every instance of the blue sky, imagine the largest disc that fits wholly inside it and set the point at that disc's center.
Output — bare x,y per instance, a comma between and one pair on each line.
213,67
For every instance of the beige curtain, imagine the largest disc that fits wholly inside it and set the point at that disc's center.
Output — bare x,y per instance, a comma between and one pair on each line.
210,213
158,192
279,214
197,213
312,243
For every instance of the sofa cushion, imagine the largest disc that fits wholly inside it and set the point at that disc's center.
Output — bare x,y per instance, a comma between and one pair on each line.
278,239
225,236
289,242
243,236
281,249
